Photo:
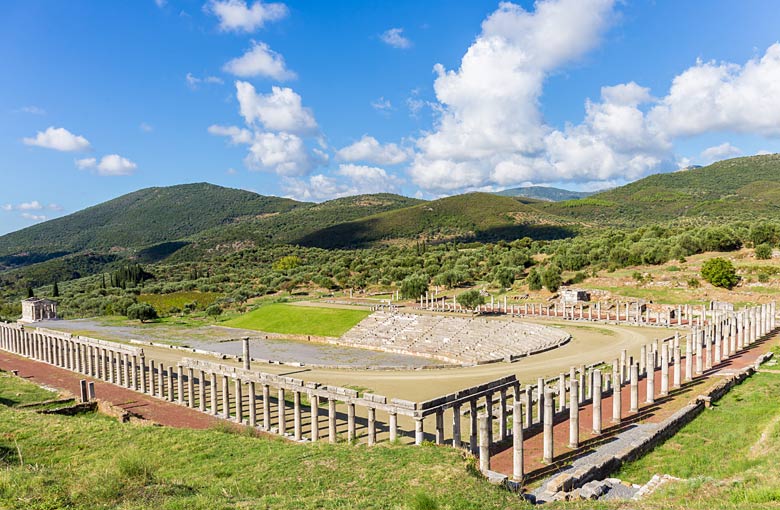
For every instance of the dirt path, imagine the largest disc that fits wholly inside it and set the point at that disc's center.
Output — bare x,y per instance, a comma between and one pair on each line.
150,408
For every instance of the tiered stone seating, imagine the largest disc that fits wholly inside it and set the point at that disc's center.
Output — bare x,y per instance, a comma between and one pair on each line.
452,339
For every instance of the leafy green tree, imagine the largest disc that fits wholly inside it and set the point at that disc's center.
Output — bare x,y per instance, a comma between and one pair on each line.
534,280
762,233
552,278
763,252
287,263
720,273
470,299
505,277
55,292
214,311
142,311
412,287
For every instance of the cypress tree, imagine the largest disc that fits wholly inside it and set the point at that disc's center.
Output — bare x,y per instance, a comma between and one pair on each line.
30,292
56,290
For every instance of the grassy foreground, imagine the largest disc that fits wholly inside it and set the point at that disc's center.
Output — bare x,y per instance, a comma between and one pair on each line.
93,462
299,320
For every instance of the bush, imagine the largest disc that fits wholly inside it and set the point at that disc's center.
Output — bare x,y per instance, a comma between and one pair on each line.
471,299
694,283
552,278
534,280
763,252
142,312
720,273
214,311
414,286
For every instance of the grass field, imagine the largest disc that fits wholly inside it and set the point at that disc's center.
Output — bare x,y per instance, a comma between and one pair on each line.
165,302
93,462
299,320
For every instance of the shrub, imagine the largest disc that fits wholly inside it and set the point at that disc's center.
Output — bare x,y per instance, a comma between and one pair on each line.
414,286
534,280
552,278
720,273
142,312
471,299
214,311
763,252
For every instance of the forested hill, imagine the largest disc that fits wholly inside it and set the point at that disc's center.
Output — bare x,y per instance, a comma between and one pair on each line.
138,219
545,193
742,188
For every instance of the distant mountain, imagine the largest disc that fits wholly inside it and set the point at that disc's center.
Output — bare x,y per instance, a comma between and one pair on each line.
472,216
742,188
139,219
545,193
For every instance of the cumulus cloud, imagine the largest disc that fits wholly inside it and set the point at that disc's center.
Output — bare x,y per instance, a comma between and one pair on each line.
236,15
237,135
110,165
32,110
718,152
30,206
369,150
260,60
283,153
348,180
281,110
59,139
394,37
34,217
194,82
382,105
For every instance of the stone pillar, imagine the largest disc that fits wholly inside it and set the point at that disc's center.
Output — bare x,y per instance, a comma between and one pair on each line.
502,414
419,432
281,406
617,397
266,407
331,420
473,446
142,373
540,398
394,427
650,379
623,366
372,426
484,443
597,401
582,384
634,388
699,360
642,359
574,414
677,375
126,366
133,373
548,426
213,393
297,426
252,403
191,387
314,404
351,430
83,394
456,425
528,408
202,391
664,369
225,398
152,385
246,358
180,385
561,392
517,442
170,383
239,400
439,436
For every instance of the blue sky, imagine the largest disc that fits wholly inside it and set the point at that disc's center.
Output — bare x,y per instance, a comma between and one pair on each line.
316,99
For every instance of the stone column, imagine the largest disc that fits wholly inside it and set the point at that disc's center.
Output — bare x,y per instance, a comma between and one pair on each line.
125,364
133,373
650,379
484,443
456,425
643,359
561,392
677,375
502,414
190,387
180,385
282,411
314,404
582,384
574,414
297,426
152,385
252,404
213,391
419,432
540,398
225,397
351,430
266,407
548,426
246,358
517,442
634,388
372,426
394,426
617,397
664,369
699,360
473,426
170,383
331,420
142,373
597,401
202,390
439,435
528,407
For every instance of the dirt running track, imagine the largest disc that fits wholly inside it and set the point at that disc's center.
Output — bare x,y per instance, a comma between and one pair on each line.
150,408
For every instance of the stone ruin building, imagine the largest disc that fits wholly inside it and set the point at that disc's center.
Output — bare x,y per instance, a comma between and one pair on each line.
38,309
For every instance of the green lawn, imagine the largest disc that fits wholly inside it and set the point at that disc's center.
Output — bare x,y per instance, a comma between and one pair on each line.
14,391
299,320
93,462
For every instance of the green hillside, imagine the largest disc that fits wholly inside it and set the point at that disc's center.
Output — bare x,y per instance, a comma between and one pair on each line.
472,216
545,193
138,219
740,188
293,226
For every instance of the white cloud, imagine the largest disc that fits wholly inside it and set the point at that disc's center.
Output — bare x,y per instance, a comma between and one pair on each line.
260,60
237,16
237,135
193,81
369,179
395,38
283,153
34,217
231,171
382,104
55,207
718,152
110,165
30,206
59,139
281,110
723,96
32,110
146,128
7,207
348,180
368,149
160,3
